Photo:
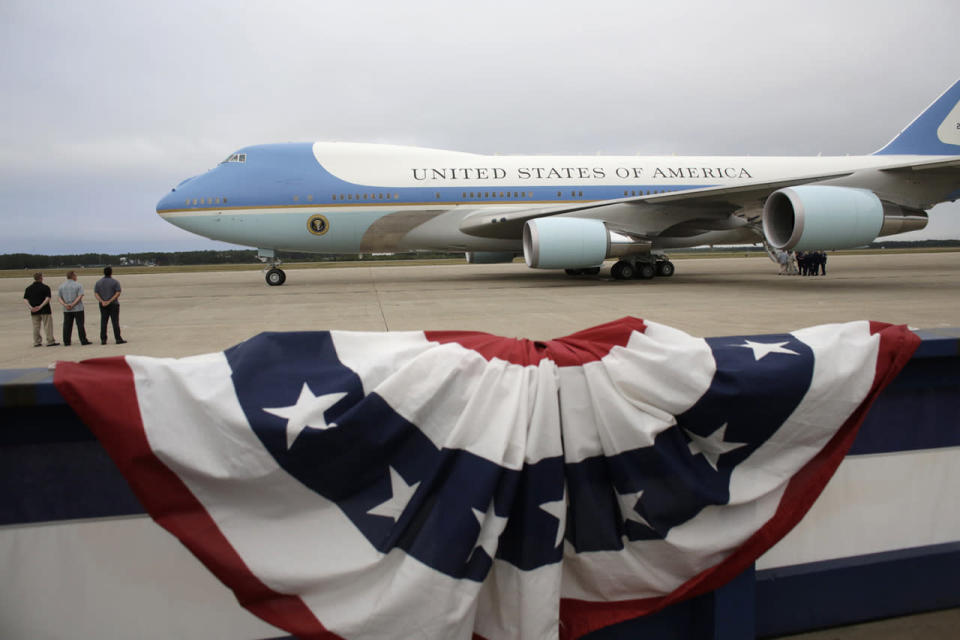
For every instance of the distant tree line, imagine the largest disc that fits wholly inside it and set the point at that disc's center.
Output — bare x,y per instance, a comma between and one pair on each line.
878,244
32,261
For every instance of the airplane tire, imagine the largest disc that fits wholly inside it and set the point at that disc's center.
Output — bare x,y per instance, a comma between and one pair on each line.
645,271
623,270
276,277
665,269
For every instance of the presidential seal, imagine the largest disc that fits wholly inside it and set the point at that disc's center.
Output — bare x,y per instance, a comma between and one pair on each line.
318,225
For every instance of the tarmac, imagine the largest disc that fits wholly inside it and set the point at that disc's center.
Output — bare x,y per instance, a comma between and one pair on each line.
179,314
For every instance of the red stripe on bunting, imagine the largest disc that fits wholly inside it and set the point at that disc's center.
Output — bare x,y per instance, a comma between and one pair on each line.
589,345
579,617
103,395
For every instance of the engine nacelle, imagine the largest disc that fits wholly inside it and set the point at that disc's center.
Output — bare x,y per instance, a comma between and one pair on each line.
574,243
823,217
564,243
489,257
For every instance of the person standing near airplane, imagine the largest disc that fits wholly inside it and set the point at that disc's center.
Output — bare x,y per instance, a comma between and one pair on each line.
37,298
107,290
70,294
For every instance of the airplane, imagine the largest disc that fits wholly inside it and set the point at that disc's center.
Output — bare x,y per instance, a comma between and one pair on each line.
566,212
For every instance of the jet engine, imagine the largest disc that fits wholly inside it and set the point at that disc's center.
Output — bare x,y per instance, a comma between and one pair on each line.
489,257
574,243
823,217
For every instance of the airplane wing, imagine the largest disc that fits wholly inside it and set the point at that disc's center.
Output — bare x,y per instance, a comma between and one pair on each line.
938,166
647,216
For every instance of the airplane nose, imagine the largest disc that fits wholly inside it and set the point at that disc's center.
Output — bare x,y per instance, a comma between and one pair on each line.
175,199
167,202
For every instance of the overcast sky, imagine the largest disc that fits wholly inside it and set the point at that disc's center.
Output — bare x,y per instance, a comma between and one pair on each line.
107,104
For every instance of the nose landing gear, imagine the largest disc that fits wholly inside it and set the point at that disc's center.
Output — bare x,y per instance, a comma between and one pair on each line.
274,276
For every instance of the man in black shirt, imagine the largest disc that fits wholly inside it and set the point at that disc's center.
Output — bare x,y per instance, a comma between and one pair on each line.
37,298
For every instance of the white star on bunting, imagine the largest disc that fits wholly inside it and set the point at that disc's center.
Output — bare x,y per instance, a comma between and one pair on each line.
491,526
628,507
307,412
558,509
761,349
713,446
400,495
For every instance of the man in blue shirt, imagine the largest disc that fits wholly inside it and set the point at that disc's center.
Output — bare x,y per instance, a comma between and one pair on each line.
107,291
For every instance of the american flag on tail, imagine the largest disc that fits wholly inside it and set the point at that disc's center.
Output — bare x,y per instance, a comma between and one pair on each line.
452,484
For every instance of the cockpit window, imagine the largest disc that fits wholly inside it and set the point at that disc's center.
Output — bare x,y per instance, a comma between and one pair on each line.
236,157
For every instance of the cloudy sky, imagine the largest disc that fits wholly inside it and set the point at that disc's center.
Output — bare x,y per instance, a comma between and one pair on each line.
106,104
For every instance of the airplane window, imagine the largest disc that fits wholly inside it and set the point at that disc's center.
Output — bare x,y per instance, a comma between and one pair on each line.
464,194
235,157
194,202
471,194
187,202
515,194
559,194
310,198
349,196
438,196
224,201
530,194
364,196
296,198
580,194
242,157
396,196
218,200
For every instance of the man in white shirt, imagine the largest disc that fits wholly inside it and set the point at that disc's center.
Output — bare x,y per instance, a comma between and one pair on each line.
70,294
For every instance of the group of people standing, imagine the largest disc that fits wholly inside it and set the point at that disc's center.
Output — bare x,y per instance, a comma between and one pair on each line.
804,263
38,298
812,263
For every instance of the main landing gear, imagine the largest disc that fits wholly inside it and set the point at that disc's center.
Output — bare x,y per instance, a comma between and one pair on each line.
642,268
275,276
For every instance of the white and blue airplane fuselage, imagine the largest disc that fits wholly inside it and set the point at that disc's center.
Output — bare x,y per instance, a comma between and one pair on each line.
567,212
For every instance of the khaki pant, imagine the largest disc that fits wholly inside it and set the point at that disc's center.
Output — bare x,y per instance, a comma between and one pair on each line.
47,320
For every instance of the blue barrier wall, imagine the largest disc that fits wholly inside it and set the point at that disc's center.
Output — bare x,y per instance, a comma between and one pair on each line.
52,469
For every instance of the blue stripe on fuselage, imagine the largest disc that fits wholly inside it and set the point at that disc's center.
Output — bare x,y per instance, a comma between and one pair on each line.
274,174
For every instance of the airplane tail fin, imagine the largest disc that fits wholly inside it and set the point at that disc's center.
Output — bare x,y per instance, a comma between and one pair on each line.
935,132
